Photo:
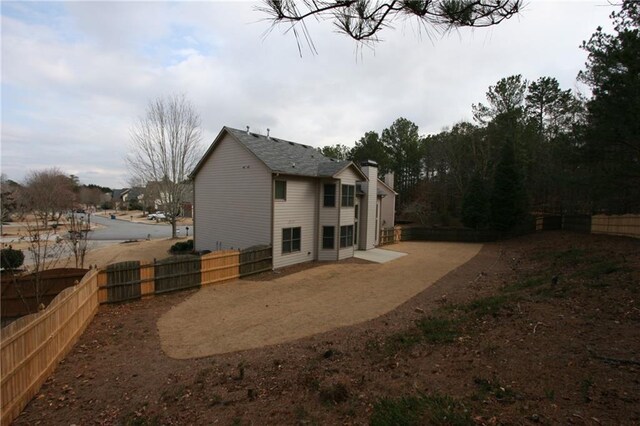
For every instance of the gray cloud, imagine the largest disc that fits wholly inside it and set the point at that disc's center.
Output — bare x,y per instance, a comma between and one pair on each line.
72,91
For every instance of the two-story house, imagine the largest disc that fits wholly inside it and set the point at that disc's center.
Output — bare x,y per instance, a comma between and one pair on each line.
251,189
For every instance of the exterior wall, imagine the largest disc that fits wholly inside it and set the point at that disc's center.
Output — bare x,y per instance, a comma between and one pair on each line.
232,199
368,208
376,240
328,216
388,208
298,210
347,177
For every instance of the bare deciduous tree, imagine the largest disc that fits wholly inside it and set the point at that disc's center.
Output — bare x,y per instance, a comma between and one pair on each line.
77,239
47,194
44,197
165,148
362,20
91,197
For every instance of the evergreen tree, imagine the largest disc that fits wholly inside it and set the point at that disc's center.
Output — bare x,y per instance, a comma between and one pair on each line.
405,148
370,147
475,204
508,199
613,128
338,151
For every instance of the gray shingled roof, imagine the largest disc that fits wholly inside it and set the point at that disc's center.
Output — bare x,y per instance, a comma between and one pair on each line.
361,190
287,157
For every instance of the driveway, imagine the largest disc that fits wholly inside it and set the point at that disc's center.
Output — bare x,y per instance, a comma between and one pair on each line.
247,314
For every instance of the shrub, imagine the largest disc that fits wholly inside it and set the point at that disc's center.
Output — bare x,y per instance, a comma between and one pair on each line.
11,259
182,247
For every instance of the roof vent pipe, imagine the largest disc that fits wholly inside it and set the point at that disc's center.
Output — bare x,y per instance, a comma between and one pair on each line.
268,130
247,129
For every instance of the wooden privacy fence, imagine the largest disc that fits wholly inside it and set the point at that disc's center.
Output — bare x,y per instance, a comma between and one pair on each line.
32,346
18,294
123,281
388,236
627,225
408,233
132,280
177,273
254,260
577,223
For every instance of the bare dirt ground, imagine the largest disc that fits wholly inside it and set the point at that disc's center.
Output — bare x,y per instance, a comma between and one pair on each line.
251,314
499,340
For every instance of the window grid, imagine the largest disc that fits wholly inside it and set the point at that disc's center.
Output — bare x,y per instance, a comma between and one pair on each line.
281,190
291,240
348,195
329,195
346,236
328,237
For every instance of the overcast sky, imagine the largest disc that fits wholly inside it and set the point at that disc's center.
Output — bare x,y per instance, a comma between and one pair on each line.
77,75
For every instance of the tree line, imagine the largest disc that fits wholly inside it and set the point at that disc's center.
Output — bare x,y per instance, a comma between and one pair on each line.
533,146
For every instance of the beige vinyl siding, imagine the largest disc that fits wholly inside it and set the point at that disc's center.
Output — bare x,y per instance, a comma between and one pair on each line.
329,216
347,177
299,210
232,194
388,207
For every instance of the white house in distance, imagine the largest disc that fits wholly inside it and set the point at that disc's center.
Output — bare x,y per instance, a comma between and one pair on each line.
251,189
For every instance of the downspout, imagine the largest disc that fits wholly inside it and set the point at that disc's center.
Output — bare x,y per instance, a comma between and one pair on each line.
339,205
193,213
317,210
273,193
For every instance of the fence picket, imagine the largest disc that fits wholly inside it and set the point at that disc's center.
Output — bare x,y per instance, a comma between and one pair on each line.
177,273
32,346
123,281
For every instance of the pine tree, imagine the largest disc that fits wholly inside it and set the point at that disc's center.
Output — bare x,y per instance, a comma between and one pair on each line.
508,199
475,204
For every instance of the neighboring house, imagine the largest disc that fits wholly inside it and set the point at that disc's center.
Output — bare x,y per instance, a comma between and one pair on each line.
160,198
118,197
124,198
187,203
251,189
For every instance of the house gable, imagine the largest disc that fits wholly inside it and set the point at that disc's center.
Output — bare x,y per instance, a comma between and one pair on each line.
232,198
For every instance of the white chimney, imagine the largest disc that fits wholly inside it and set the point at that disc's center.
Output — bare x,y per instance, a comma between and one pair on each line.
388,179
368,227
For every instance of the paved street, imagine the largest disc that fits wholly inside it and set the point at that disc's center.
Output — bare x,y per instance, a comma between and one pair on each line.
112,231
118,229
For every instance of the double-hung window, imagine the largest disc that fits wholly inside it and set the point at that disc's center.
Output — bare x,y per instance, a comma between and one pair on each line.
328,237
280,190
348,195
290,240
346,236
329,195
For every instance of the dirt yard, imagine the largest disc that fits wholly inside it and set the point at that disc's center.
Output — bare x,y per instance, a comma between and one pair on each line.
251,314
541,329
